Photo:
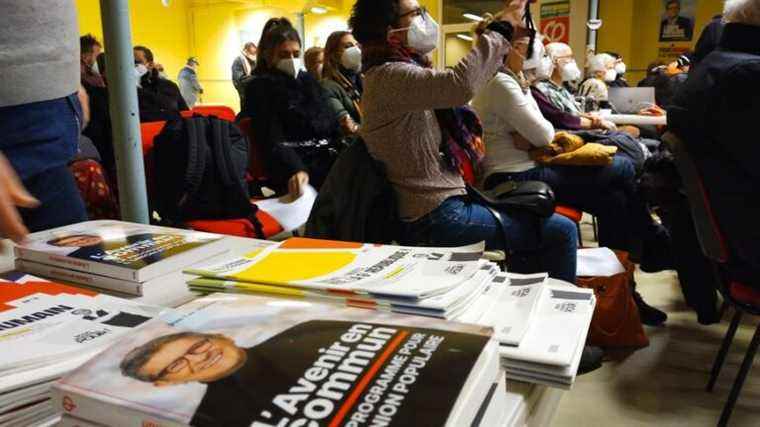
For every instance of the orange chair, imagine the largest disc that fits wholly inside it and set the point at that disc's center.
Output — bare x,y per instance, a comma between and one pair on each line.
221,111
573,215
255,154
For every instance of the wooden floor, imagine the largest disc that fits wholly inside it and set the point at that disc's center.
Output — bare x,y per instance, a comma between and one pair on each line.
664,384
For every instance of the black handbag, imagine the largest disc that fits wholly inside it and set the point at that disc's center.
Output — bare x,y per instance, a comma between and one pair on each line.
535,197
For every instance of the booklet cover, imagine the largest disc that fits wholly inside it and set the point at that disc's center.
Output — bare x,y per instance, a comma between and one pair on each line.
562,317
246,360
46,322
121,250
378,270
444,306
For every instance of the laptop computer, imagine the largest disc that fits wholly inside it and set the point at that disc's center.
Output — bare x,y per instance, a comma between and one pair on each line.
631,100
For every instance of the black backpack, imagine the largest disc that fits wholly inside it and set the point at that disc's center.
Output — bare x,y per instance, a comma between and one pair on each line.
200,167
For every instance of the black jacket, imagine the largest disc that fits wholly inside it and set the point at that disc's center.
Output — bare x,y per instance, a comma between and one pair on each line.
709,39
356,203
716,114
287,110
159,99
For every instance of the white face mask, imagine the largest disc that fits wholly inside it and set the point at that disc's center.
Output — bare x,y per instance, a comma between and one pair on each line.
291,66
352,59
610,75
545,68
620,68
95,68
140,71
571,72
422,35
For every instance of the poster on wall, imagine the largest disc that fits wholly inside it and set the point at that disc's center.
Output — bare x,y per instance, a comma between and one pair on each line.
555,21
677,20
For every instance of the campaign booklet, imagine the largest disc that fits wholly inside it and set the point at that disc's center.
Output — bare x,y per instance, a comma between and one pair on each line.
239,360
120,250
516,307
445,306
562,317
46,322
381,271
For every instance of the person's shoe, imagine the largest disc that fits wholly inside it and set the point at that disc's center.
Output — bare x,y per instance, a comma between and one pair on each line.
657,252
650,316
591,359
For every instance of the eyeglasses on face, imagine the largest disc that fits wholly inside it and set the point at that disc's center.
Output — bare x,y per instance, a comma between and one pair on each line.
420,11
182,362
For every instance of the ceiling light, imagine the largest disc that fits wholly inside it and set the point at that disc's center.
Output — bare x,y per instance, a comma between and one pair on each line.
473,17
319,10
465,37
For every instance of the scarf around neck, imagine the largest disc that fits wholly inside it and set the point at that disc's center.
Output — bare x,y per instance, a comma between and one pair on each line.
462,146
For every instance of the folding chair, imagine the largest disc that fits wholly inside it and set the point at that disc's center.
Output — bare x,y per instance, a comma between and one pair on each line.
221,111
736,292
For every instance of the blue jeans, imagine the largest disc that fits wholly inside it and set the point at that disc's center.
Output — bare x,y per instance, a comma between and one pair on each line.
607,192
39,140
533,244
61,202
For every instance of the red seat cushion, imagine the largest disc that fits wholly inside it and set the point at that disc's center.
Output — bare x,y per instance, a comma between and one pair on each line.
239,227
744,294
221,111
571,213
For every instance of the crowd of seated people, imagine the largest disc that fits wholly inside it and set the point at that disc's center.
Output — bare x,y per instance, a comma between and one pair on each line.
376,85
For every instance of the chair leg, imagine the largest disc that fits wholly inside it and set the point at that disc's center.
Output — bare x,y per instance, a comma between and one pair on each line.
596,228
739,382
724,350
580,236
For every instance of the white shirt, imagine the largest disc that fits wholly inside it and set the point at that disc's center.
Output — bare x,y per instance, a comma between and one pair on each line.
504,108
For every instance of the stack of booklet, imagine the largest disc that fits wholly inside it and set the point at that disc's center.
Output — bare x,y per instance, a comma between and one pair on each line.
541,328
125,258
433,282
47,330
238,360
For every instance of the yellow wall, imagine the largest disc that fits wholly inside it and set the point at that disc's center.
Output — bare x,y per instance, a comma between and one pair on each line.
164,30
631,27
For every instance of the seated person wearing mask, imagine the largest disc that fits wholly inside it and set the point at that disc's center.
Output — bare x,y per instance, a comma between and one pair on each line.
715,113
620,69
159,99
548,72
601,70
342,80
405,104
513,126
291,119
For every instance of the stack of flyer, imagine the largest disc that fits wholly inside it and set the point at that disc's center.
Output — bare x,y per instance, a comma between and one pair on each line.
47,330
541,329
434,282
241,360
128,259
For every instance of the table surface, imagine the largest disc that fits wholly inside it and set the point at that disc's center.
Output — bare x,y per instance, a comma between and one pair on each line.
637,120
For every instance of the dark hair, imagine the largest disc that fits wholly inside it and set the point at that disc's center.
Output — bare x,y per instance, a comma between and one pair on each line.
101,60
147,52
331,69
249,45
678,2
370,19
137,358
87,43
276,32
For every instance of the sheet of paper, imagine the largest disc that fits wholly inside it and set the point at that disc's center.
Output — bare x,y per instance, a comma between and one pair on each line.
598,262
291,214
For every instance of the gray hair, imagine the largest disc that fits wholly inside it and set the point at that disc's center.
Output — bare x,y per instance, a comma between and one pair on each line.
742,12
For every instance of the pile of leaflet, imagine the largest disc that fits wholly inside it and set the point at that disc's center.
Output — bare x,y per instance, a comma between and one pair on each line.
541,327
133,260
245,360
47,330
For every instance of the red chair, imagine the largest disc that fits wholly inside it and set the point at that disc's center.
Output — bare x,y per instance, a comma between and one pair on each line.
221,111
573,215
744,297
256,166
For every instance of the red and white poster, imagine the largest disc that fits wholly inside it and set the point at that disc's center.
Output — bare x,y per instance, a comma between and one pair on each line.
555,21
